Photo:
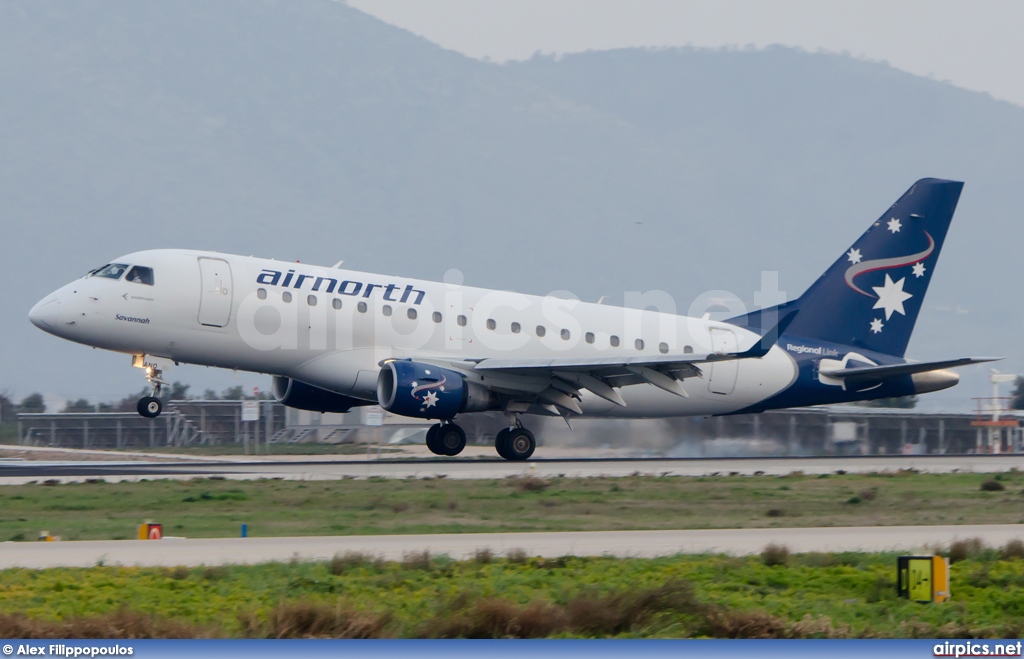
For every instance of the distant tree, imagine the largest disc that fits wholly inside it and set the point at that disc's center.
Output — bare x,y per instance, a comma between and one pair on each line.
32,404
233,393
80,405
1018,394
210,394
128,403
179,391
107,407
7,409
900,402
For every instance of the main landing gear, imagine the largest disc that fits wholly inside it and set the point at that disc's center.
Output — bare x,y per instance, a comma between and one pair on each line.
512,443
446,439
150,406
515,442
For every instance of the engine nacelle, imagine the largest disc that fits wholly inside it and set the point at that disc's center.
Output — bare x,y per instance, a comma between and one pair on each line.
304,396
424,391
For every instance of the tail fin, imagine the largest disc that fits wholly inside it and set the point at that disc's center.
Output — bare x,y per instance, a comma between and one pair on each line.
871,295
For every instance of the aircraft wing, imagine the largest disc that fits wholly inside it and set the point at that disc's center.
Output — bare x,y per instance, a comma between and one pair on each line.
891,370
556,383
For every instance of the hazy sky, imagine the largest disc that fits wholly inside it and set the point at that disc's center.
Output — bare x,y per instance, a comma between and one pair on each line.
975,45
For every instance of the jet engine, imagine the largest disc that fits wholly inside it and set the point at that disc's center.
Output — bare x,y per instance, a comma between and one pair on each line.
424,391
304,396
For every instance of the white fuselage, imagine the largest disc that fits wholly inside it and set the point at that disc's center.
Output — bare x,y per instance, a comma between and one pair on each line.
331,328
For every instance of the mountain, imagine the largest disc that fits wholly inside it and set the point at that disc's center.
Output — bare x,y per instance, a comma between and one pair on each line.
312,131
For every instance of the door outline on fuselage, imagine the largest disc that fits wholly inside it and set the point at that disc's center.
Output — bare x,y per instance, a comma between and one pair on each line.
722,375
216,292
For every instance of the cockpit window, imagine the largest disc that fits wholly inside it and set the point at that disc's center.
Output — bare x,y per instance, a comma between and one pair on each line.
140,275
111,271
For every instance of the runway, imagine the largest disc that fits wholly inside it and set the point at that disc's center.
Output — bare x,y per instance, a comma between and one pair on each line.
19,472
218,551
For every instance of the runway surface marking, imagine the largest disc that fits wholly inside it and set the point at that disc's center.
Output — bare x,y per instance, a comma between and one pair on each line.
16,473
218,551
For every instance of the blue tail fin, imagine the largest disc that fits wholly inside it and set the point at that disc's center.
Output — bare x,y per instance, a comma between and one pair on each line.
871,295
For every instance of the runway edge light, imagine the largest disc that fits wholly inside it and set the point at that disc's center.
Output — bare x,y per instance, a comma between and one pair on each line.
923,578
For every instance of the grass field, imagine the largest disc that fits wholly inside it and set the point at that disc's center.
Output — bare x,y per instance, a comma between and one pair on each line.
811,595
216,508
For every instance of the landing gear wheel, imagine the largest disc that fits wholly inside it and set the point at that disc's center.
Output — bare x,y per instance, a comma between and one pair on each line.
432,444
451,439
501,442
150,407
519,444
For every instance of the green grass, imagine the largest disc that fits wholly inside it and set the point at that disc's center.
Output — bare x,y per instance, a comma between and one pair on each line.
813,595
216,508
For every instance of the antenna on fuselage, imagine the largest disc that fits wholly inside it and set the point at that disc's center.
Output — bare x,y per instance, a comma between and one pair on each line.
337,265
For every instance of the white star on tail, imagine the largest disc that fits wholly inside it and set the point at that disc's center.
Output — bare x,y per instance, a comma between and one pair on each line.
891,296
894,225
853,255
919,269
876,326
430,399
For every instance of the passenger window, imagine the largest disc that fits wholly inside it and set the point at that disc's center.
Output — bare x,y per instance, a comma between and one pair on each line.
461,320
411,313
541,331
140,275
362,307
639,343
491,324
565,335
516,328
437,317
386,310
311,300
336,303
687,350
111,271
261,293
286,296
589,337
614,340
663,348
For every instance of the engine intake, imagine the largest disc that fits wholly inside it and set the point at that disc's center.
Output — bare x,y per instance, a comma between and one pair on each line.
424,391
304,396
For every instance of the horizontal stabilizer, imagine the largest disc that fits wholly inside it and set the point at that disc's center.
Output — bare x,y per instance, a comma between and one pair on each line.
892,370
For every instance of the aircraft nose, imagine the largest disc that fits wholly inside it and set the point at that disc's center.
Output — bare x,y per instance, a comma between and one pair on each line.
44,314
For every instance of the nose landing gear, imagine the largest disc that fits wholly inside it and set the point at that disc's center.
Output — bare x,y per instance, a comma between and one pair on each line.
150,406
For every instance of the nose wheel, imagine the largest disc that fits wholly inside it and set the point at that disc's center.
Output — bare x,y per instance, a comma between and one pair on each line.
150,406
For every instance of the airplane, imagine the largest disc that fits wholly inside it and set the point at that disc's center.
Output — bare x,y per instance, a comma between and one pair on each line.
334,339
